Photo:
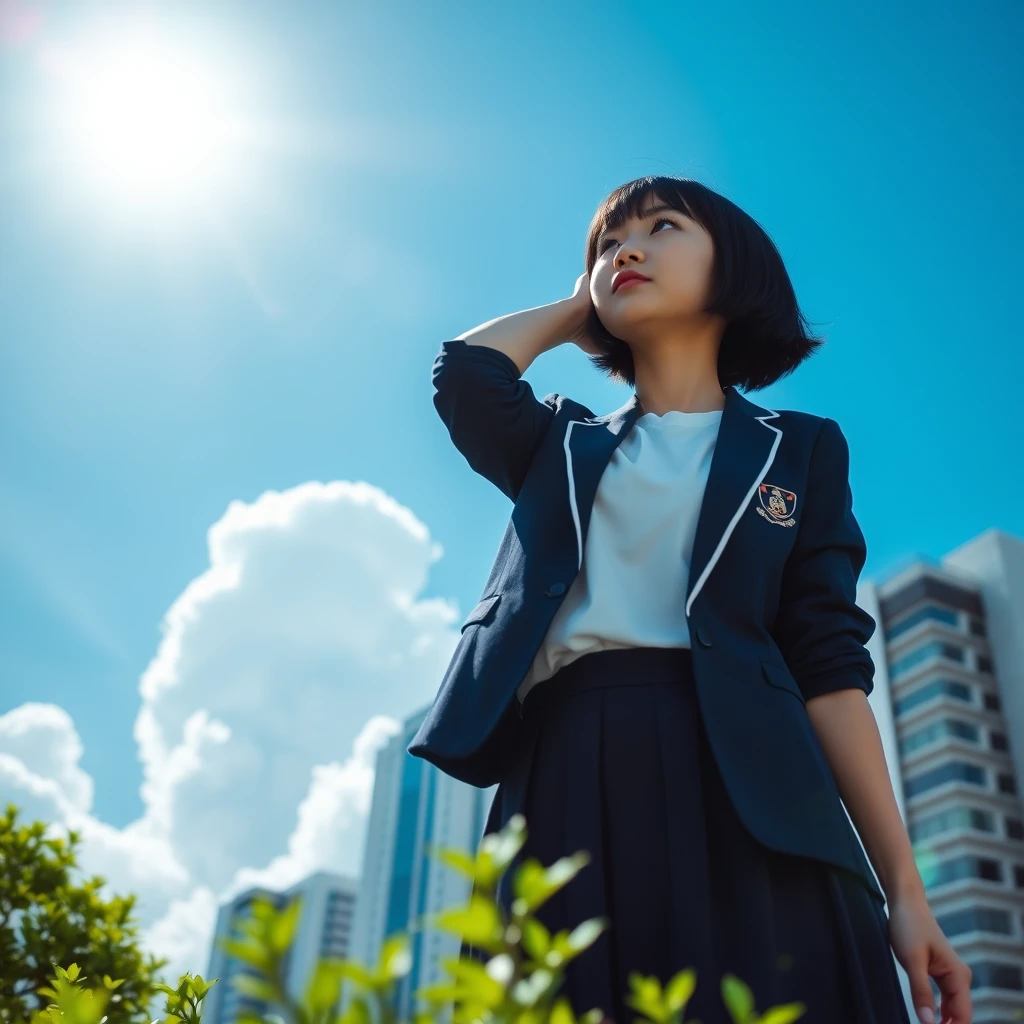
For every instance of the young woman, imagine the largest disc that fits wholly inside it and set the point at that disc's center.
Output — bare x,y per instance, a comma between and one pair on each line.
667,666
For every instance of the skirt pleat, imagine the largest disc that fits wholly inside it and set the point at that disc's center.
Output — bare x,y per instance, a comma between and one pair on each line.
614,760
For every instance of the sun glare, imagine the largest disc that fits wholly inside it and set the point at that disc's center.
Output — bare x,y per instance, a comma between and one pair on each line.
146,118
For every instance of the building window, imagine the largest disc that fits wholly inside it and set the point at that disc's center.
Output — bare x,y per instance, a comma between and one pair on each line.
936,731
990,870
977,627
984,664
1014,828
955,817
935,649
938,688
992,974
992,702
997,741
975,919
959,868
930,612
1007,783
952,771
1018,876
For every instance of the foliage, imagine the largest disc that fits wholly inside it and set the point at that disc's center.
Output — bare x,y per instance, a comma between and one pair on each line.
47,917
519,983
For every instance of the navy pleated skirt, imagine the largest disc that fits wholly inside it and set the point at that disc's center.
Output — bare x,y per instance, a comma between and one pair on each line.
613,759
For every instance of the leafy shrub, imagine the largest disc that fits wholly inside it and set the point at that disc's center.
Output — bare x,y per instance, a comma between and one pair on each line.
519,983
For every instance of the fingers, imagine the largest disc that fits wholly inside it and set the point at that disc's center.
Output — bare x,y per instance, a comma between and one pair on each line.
956,997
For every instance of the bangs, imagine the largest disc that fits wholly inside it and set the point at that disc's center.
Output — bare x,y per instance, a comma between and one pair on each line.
629,201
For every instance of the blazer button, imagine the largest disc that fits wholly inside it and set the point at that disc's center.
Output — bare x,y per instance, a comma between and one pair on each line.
555,590
703,637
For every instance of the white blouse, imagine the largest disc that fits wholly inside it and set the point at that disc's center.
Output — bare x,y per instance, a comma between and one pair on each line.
631,589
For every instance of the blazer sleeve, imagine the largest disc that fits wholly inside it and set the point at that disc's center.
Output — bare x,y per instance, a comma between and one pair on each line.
820,629
491,413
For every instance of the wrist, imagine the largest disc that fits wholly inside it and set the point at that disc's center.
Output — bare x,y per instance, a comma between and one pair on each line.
906,885
566,318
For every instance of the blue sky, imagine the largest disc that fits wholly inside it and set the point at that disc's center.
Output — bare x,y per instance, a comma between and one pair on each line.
403,173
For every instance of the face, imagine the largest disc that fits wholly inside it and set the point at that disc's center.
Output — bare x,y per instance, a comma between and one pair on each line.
668,247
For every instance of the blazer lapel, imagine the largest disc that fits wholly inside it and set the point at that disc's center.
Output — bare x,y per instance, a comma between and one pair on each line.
588,446
744,450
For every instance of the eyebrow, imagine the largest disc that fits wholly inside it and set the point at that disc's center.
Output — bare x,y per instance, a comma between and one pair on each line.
647,213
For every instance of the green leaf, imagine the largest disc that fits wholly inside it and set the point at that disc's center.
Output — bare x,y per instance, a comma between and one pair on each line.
463,862
249,953
586,933
324,987
475,981
358,1012
738,998
645,996
259,988
443,992
479,923
281,932
536,939
353,970
395,959
783,1014
680,989
527,992
561,1012
534,884
502,847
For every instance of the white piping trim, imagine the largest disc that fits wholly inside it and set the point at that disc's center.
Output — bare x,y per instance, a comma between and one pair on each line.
736,518
572,487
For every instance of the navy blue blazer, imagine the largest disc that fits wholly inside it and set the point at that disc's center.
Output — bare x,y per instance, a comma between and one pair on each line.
771,601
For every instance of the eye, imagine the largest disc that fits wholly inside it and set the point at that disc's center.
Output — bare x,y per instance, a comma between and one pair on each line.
660,220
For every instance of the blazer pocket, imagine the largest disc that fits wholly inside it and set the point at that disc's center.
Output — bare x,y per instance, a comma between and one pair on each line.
781,677
481,611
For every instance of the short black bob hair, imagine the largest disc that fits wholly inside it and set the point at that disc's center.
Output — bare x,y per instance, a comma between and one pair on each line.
766,335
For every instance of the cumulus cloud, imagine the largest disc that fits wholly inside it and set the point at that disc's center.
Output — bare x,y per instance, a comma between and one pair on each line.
281,671
39,754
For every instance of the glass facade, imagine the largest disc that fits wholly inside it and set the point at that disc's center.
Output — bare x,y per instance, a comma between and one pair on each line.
953,818
928,613
936,731
968,836
951,771
976,919
958,868
937,688
934,649
408,893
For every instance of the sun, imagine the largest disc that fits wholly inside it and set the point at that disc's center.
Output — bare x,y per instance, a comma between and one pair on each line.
144,117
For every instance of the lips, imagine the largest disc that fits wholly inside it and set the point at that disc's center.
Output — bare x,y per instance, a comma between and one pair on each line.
625,277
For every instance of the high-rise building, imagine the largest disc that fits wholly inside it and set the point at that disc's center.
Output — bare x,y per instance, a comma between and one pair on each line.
324,931
415,805
949,702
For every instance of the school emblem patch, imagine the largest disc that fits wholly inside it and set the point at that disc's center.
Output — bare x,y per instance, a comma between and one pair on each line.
777,504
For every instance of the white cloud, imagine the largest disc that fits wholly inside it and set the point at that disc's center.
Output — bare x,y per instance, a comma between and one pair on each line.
281,671
40,747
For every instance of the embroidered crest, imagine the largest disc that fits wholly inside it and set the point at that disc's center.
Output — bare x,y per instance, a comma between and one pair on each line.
777,504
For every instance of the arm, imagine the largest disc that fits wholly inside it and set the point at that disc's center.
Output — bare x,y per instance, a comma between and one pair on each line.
846,726
492,415
822,633
820,629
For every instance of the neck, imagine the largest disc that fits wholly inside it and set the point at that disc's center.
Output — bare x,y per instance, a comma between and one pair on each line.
678,377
